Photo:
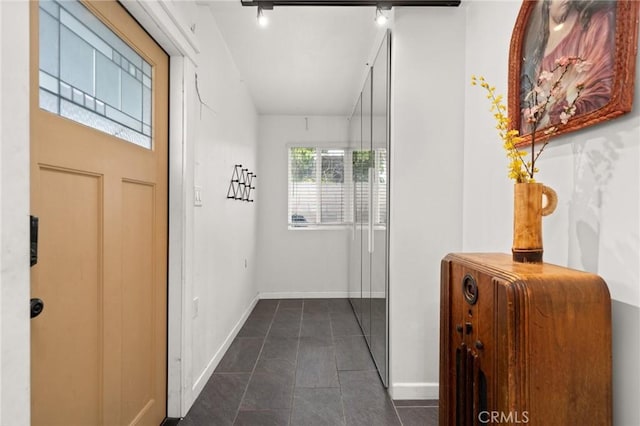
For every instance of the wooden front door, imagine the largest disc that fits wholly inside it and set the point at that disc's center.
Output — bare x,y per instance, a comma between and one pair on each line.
99,175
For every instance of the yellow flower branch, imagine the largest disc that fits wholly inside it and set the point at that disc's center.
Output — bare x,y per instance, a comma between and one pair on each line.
518,169
546,92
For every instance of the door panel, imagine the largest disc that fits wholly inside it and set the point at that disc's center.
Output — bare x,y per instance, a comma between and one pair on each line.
76,351
99,347
138,299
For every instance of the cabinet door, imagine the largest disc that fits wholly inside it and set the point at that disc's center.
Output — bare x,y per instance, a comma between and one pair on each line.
355,238
366,196
380,188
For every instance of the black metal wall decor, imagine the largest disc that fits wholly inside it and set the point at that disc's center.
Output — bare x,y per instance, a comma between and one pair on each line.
241,184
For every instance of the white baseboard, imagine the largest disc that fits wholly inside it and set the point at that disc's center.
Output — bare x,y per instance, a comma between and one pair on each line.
414,390
203,378
315,295
305,295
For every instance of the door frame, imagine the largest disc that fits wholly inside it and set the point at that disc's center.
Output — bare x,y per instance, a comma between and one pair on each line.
161,20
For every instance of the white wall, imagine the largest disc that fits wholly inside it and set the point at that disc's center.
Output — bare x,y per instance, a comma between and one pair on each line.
296,263
14,213
596,173
221,234
426,186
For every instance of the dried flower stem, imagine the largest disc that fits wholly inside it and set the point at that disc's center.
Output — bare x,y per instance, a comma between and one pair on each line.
519,169
539,114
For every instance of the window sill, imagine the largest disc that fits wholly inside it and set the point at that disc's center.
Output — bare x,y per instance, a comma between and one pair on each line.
345,227
320,227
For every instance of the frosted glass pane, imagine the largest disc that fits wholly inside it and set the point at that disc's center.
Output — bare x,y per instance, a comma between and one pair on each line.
89,102
76,61
83,15
100,107
146,105
49,44
146,68
107,81
91,119
65,90
132,96
123,118
50,7
78,97
48,101
146,81
85,34
48,82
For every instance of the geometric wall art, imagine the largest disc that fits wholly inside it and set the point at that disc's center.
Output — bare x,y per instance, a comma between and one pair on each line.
241,185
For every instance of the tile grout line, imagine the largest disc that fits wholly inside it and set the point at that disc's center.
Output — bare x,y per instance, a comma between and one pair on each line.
335,356
395,409
416,406
295,367
255,364
387,396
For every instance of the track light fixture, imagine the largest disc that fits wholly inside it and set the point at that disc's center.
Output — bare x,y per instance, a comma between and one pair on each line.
381,5
381,18
263,21
269,4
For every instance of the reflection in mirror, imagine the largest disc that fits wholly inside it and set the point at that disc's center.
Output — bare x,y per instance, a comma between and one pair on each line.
355,239
365,200
368,242
379,256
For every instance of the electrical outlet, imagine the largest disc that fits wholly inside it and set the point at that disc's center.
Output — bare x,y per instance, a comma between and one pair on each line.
196,302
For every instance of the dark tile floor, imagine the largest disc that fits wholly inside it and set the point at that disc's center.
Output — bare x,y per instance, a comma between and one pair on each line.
302,363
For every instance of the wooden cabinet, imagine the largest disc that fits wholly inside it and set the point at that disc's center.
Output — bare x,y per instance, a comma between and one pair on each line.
523,343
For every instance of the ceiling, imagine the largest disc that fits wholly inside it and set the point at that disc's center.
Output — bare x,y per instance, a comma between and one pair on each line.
307,61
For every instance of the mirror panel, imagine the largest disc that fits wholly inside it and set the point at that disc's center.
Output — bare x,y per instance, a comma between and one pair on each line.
369,144
365,199
379,256
355,236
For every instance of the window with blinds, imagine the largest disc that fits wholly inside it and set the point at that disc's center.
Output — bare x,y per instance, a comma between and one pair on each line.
317,187
325,184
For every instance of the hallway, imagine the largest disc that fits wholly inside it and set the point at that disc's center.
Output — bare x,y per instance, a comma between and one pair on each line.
301,362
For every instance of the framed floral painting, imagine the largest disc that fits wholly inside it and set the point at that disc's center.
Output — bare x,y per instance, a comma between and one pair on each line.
597,38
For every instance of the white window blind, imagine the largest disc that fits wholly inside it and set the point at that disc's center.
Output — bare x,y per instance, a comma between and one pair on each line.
329,187
317,187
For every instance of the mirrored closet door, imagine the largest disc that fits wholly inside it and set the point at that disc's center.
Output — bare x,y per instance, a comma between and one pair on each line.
368,263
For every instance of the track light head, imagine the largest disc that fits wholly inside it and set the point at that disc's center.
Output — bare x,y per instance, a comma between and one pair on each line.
263,21
381,18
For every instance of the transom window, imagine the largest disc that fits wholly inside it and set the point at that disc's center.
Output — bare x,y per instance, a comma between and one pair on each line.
89,75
